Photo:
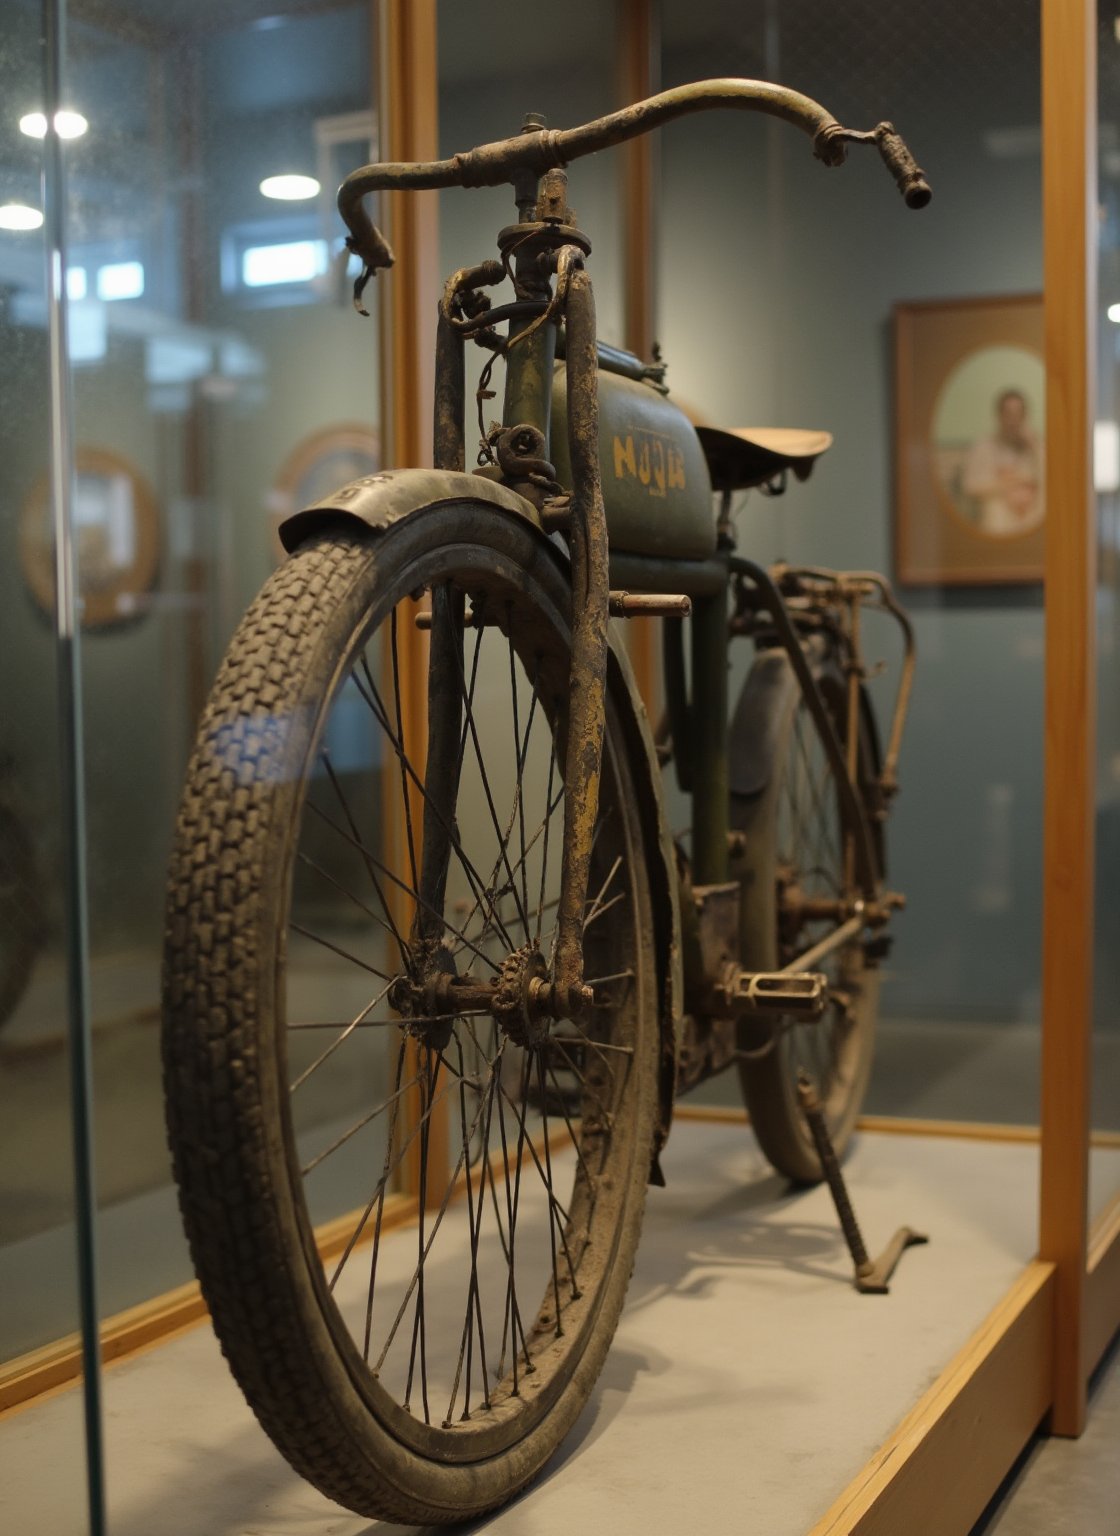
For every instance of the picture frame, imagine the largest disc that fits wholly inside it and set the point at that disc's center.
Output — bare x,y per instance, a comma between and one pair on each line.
970,427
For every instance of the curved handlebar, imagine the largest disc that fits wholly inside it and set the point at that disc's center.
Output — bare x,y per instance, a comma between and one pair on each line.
535,152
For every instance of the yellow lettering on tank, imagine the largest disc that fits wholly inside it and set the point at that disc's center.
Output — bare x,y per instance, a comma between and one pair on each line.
654,462
658,486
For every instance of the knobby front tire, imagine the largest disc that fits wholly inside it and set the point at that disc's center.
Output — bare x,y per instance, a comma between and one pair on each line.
424,1373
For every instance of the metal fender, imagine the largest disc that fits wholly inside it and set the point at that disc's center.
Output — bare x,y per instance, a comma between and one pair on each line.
757,721
382,499
664,886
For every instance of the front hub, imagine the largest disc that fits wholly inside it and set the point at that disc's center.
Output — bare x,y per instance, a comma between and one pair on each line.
522,998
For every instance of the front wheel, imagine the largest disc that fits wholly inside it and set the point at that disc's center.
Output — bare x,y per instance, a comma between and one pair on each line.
793,867
349,866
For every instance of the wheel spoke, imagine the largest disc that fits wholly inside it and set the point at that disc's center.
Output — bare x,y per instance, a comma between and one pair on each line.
503,852
356,1127
370,863
426,1247
373,701
389,875
337,949
383,1184
389,1136
349,1029
403,756
542,827
309,863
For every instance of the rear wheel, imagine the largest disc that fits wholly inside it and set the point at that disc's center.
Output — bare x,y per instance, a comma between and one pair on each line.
359,940
793,867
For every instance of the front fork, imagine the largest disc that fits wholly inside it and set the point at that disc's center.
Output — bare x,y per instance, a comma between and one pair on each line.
590,585
583,758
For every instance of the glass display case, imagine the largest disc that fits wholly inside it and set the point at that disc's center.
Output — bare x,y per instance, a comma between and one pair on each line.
216,380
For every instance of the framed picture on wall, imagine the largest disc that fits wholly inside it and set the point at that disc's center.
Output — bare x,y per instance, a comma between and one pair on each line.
970,429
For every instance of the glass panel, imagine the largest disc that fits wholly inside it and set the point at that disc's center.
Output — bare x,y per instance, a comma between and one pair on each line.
781,285
220,382
38,1252
1104,1155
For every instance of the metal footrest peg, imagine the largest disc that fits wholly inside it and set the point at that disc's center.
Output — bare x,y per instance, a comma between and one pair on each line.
650,605
872,1276
800,994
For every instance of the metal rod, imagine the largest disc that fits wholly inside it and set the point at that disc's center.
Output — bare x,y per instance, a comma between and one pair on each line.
834,940
851,808
814,1116
71,767
709,724
590,596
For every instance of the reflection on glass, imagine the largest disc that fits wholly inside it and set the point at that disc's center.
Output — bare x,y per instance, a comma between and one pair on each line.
38,1249
211,334
116,533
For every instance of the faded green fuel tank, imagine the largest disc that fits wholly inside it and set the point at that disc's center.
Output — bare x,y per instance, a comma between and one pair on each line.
656,486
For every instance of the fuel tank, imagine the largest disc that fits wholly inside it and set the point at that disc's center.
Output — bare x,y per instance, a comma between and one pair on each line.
656,486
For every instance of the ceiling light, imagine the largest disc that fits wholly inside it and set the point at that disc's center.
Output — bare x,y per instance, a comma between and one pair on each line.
120,280
1114,313
290,189
68,125
19,216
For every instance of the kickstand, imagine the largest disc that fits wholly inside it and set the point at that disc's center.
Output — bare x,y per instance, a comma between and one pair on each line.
871,1276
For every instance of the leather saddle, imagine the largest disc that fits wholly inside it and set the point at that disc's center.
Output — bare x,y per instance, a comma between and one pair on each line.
751,456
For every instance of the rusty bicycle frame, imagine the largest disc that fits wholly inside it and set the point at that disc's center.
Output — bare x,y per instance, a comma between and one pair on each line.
544,254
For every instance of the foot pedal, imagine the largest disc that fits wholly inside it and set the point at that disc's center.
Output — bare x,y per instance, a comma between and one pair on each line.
801,993
872,1276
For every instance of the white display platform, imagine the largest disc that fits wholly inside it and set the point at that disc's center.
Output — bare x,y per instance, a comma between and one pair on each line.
748,1384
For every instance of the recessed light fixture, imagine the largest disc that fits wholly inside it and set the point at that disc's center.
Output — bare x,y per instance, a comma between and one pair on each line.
1114,313
19,216
68,125
289,188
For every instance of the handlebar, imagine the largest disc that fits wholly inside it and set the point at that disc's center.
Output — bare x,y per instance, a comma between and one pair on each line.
537,150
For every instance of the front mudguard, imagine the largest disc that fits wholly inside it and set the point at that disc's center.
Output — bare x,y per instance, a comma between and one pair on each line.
664,886
381,500
384,498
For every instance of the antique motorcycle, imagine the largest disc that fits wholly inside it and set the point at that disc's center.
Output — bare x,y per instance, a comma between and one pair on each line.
430,947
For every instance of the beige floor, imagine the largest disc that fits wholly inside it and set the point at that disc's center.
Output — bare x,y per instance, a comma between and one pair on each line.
747,1384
